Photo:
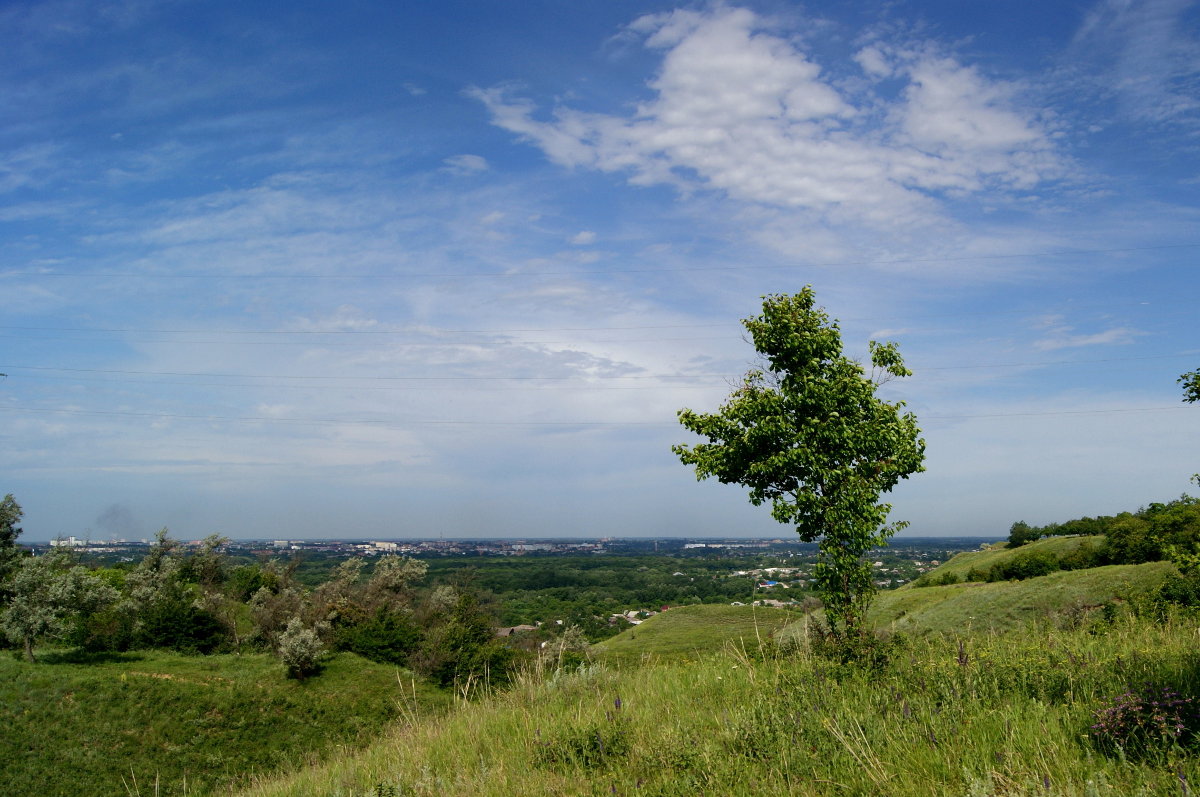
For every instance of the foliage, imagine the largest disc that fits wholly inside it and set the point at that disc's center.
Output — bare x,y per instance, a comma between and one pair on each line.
389,635
1191,385
460,646
300,650
1145,723
10,554
48,597
1021,533
808,434
162,608
568,650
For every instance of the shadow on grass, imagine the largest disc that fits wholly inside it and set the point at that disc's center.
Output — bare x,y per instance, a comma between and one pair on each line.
86,657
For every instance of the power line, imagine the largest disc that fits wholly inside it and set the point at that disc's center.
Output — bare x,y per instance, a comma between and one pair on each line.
425,422
363,378
514,274
583,378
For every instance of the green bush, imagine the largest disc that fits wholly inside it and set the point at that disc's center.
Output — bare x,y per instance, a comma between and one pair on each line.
388,637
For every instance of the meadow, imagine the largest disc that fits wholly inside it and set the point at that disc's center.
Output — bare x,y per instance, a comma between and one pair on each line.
986,714
160,723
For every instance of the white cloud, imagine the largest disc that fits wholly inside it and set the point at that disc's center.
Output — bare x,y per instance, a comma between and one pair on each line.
1062,339
583,238
745,112
466,164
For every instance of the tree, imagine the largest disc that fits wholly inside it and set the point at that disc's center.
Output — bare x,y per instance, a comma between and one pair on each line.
1191,385
1020,533
807,433
48,596
10,554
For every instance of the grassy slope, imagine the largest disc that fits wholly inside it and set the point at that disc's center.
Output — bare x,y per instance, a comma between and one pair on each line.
1002,605
688,630
962,563
207,722
1004,715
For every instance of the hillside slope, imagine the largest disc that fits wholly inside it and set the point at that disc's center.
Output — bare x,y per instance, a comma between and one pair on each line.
962,564
1000,715
1003,605
689,630
185,725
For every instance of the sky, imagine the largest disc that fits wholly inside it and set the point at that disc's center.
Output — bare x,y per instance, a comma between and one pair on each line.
389,270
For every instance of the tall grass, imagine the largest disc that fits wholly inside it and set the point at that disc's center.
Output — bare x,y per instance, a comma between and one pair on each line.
988,714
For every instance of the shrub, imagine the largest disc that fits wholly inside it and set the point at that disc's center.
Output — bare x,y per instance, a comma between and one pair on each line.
1029,564
300,650
1145,723
387,637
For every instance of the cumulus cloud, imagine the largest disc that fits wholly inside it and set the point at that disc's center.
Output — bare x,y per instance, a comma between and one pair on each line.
743,111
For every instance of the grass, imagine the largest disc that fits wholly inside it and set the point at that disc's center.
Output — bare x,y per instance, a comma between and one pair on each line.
985,714
687,630
180,725
1001,605
961,564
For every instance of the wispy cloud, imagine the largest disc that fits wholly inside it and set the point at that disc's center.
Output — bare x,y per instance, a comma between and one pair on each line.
745,112
1147,54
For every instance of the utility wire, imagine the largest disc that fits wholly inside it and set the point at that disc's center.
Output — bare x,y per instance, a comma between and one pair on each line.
391,422
514,274
582,378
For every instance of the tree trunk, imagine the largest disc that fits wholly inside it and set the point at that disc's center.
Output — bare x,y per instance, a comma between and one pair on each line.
29,649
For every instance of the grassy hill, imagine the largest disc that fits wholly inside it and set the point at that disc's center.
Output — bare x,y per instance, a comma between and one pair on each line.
963,563
1002,605
690,630
1006,714
185,725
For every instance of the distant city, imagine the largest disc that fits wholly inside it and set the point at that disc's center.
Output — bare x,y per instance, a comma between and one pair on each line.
504,547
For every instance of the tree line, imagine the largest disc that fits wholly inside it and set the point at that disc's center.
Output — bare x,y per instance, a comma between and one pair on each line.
197,601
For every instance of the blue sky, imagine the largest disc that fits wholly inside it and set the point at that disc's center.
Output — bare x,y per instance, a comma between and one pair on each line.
420,269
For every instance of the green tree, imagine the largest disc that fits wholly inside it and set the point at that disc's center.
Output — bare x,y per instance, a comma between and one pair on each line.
807,433
48,598
1020,533
1191,385
10,554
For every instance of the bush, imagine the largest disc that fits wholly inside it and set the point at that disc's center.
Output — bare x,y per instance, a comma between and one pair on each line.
300,650
1029,564
388,637
1081,558
180,625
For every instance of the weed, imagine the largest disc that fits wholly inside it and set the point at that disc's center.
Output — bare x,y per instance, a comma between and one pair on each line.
1146,723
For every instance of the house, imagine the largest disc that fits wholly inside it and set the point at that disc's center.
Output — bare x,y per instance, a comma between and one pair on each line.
515,629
